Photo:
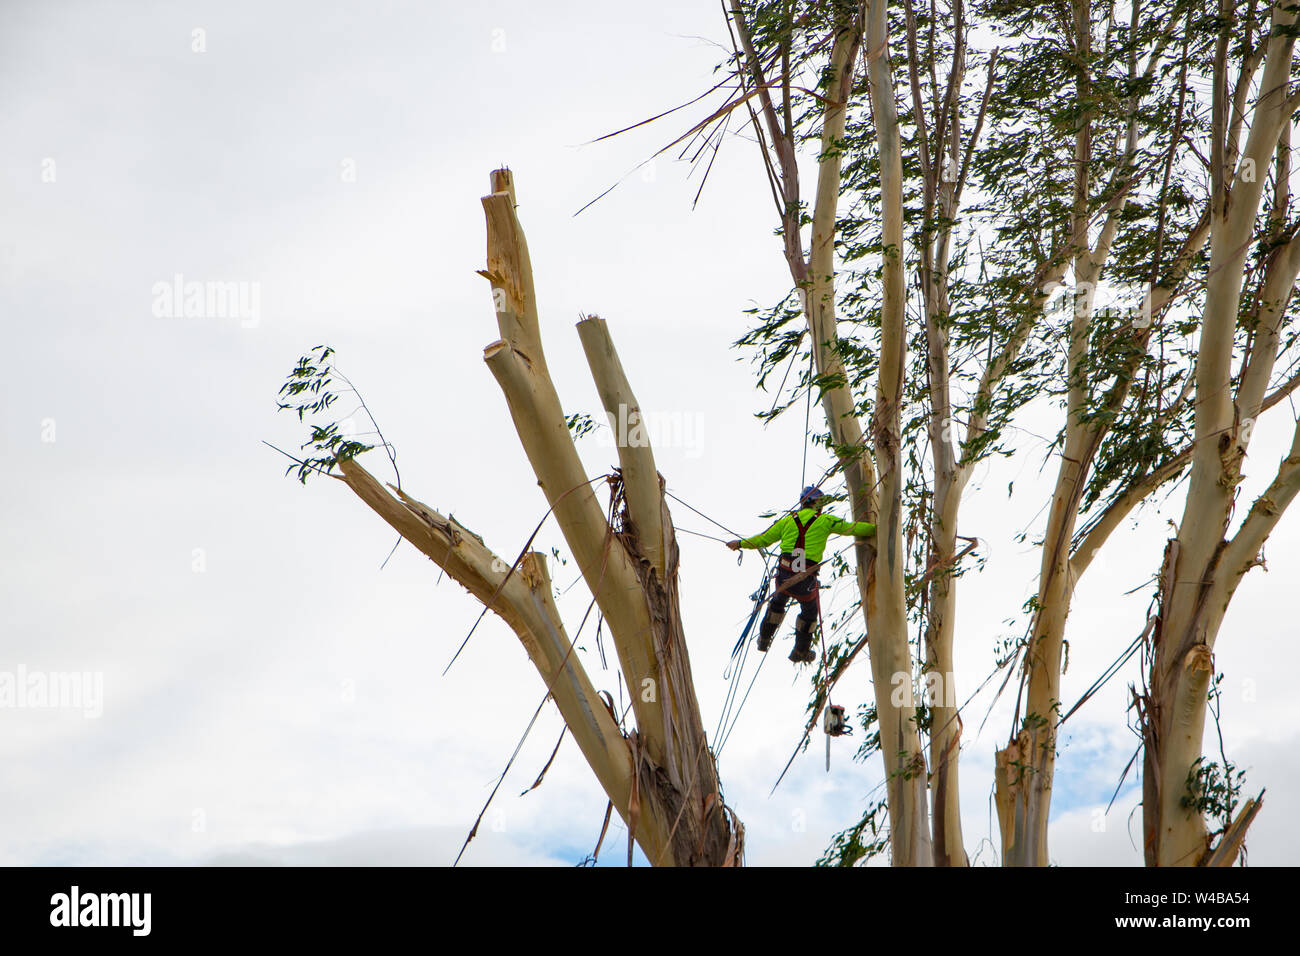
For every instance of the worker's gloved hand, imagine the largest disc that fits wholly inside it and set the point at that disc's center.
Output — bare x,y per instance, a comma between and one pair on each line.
734,545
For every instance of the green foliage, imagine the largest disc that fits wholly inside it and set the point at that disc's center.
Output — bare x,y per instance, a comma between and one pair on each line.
867,838
307,392
870,724
1050,167
1213,790
580,424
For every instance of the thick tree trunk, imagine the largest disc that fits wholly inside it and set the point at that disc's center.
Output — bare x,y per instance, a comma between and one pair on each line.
661,778
1202,568
941,199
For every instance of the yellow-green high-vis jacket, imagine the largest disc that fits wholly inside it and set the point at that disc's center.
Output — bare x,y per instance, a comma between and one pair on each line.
814,540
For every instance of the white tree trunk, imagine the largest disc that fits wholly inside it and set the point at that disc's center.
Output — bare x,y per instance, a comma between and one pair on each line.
886,600
1202,568
662,778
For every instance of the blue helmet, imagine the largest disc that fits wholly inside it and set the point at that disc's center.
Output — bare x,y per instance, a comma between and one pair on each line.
811,494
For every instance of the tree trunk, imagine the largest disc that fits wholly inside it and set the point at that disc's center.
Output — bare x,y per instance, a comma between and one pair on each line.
945,721
662,777
886,601
1202,568
940,168
879,564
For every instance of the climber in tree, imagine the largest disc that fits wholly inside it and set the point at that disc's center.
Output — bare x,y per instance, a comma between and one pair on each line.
803,535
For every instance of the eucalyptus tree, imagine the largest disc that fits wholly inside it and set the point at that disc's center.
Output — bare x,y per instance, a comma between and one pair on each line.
1081,170
1112,131
660,776
895,150
776,43
1245,322
1071,274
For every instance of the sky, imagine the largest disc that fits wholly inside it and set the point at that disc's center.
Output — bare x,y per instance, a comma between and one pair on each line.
256,688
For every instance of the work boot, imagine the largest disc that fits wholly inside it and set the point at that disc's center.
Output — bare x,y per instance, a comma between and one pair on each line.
803,652
767,629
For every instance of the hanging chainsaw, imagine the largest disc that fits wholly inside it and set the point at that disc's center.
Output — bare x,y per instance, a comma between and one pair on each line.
836,724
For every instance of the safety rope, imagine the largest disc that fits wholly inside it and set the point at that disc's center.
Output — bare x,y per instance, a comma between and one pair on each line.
739,656
723,742
807,422
759,598
733,681
740,653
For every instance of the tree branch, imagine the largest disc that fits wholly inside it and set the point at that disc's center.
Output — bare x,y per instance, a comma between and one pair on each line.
1243,549
1098,531
641,484
523,600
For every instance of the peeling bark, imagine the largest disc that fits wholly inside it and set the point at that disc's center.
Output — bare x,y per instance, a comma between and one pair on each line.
635,585
661,778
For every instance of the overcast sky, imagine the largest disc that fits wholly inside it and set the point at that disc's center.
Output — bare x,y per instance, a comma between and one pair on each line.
269,694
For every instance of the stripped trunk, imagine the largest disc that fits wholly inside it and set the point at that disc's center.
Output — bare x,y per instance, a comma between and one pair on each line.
1024,768
945,721
661,777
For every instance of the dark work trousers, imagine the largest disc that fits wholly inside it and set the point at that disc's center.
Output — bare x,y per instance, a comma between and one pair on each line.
804,590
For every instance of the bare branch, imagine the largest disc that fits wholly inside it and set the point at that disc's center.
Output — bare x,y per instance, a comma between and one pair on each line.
523,600
641,482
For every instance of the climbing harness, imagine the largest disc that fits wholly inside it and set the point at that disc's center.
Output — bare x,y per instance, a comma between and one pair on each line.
793,585
805,570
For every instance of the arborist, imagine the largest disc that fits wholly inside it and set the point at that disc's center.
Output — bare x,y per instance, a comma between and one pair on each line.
802,533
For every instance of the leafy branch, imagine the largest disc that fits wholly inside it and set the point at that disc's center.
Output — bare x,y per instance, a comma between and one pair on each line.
307,392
